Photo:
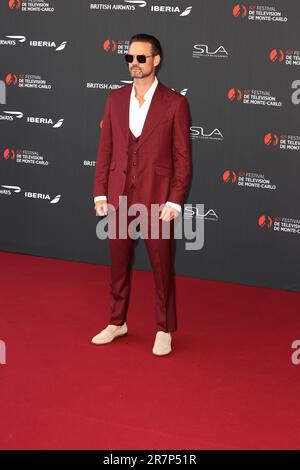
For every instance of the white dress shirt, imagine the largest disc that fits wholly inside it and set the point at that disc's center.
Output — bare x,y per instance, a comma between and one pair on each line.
137,116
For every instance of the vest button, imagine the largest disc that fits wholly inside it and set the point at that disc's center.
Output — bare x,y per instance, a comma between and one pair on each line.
124,171
133,163
135,151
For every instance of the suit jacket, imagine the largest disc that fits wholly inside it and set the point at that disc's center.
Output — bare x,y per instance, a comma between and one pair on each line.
163,150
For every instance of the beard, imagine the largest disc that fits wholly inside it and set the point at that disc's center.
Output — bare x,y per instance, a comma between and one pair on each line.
136,72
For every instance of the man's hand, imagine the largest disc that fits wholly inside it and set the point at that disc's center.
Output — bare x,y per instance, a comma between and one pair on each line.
168,213
101,208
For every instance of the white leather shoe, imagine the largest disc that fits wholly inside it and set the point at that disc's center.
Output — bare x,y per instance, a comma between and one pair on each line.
110,333
162,344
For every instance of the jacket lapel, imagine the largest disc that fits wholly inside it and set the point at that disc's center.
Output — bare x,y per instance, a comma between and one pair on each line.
156,113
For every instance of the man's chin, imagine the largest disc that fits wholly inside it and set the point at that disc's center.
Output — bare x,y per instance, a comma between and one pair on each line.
133,75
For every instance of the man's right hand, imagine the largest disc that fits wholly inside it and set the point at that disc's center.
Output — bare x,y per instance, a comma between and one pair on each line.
101,208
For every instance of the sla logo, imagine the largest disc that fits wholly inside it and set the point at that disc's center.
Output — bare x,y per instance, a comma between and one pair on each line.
43,196
198,131
2,352
194,211
203,50
295,358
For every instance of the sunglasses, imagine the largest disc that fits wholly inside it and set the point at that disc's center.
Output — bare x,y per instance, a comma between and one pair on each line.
141,58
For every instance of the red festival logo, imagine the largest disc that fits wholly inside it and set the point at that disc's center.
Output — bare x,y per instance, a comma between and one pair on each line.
11,79
229,176
276,55
271,139
109,45
265,221
9,153
234,94
239,10
14,4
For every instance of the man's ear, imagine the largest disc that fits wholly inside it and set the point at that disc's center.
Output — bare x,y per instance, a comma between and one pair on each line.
156,60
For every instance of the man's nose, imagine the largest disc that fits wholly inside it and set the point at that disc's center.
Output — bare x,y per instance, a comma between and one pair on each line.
135,61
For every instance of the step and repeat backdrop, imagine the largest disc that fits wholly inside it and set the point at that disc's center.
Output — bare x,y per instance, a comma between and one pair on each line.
238,64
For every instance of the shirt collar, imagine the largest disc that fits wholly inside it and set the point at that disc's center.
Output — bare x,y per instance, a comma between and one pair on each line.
149,93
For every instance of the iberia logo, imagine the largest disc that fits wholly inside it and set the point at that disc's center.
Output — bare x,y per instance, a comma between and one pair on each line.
11,79
229,176
9,153
271,139
109,45
276,55
265,221
239,10
234,94
14,4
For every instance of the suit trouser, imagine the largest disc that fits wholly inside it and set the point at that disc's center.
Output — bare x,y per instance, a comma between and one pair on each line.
161,252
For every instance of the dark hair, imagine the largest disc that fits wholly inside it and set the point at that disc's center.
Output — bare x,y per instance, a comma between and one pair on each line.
156,46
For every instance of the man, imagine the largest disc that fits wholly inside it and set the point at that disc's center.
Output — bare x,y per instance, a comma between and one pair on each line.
144,154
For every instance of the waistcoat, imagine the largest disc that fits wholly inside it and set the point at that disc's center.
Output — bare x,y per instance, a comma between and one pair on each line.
131,173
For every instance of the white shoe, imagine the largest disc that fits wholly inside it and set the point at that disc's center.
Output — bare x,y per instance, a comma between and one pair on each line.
162,345
110,333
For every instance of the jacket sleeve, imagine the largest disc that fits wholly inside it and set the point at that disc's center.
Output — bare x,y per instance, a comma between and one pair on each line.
181,151
104,152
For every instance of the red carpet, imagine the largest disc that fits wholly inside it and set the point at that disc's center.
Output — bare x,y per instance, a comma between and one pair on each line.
229,383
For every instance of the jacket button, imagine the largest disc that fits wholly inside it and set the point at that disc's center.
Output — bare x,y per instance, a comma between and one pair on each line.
124,171
133,163
135,151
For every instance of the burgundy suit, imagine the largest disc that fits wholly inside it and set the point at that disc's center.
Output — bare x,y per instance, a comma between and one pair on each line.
151,169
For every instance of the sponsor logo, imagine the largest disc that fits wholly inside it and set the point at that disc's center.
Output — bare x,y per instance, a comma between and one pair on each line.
253,97
279,224
245,179
258,13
